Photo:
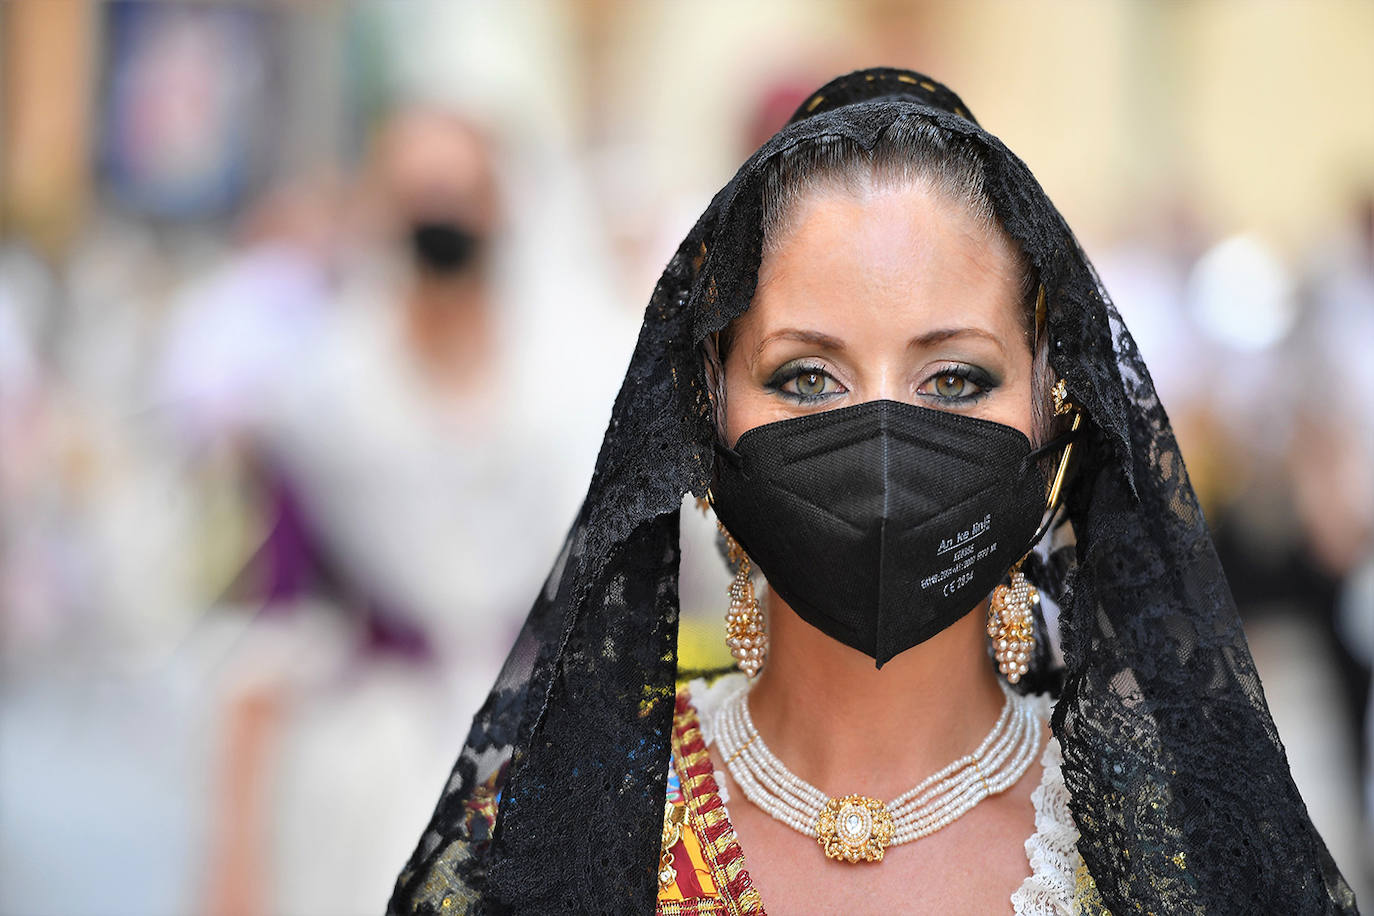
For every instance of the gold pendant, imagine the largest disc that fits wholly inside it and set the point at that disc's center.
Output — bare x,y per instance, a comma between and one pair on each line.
673,818
855,828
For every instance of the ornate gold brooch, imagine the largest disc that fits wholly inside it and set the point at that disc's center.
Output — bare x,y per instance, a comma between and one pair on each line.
855,828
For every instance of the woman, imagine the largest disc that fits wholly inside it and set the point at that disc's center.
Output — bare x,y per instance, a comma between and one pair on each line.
853,354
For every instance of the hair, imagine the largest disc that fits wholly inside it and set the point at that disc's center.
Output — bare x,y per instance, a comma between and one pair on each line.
911,151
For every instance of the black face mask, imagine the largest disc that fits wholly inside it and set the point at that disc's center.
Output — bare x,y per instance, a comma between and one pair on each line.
443,247
883,523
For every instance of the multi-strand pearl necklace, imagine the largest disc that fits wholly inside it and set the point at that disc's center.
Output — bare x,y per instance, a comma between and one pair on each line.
856,827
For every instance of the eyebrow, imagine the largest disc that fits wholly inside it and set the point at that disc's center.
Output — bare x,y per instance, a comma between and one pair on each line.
805,336
940,335
928,339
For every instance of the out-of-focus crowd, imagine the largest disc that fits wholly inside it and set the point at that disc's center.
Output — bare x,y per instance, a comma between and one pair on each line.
311,317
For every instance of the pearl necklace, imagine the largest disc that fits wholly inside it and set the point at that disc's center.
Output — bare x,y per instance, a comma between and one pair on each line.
857,827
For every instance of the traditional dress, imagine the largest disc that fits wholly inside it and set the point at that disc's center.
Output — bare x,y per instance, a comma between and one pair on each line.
1176,779
703,870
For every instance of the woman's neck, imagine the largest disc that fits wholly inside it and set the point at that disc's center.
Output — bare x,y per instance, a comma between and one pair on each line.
844,726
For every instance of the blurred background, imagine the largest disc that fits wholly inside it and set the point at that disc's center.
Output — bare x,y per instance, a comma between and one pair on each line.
311,316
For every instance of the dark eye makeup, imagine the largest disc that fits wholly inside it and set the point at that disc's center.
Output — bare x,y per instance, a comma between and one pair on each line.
958,384
805,381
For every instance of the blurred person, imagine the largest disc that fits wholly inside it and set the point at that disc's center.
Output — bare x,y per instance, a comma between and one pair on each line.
430,425
98,739
871,356
387,447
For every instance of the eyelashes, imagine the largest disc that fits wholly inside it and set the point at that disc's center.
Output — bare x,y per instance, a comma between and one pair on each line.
805,383
953,385
958,383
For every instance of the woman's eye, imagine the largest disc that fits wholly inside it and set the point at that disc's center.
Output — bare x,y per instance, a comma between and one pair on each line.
961,384
805,383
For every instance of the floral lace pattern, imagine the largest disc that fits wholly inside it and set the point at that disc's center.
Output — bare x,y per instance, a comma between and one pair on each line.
1052,886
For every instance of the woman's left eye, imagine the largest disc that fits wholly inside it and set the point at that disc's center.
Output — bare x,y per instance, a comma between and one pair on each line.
957,384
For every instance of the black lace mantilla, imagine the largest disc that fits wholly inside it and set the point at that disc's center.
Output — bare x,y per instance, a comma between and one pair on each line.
1179,784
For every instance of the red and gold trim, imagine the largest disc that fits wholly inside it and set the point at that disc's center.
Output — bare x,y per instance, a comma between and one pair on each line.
708,864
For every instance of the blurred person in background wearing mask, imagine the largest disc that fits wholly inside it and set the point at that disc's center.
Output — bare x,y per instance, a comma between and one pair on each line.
403,456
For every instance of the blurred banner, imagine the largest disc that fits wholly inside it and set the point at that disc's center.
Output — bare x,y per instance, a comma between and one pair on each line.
197,151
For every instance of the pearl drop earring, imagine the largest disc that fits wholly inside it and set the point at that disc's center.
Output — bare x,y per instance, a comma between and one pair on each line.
744,626
1011,625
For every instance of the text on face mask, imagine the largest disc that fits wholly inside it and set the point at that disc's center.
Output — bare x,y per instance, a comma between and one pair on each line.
968,534
957,570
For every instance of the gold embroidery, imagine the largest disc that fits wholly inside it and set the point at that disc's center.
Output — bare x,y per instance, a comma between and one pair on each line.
1086,898
696,775
673,816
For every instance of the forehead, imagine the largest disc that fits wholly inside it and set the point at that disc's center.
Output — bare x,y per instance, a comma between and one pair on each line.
888,260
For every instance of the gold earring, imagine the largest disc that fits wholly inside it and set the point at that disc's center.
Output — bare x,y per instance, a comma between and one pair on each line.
744,631
1011,624
1060,394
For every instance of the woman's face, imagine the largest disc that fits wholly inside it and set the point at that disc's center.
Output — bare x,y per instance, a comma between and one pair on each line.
899,295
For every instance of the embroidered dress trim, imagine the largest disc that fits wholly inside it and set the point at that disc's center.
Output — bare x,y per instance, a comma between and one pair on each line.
713,880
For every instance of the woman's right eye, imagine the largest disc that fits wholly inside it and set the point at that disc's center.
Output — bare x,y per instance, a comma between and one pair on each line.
805,382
